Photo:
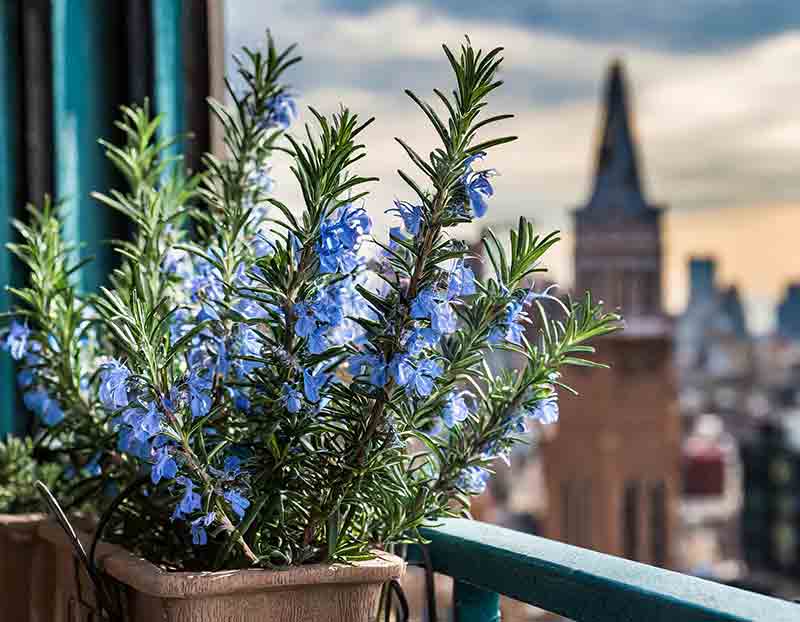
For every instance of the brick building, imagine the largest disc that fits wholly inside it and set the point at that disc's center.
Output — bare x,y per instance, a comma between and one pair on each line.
613,467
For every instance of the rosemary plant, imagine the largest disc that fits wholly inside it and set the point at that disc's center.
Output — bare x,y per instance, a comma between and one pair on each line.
284,387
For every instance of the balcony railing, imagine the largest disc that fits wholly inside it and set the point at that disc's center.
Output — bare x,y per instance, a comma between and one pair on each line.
586,586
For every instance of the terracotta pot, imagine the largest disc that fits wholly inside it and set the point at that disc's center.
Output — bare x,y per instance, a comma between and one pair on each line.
25,569
318,593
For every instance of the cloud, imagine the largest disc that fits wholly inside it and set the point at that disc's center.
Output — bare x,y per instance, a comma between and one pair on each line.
678,25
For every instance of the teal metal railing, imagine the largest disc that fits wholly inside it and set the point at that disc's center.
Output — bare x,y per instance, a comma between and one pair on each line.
485,560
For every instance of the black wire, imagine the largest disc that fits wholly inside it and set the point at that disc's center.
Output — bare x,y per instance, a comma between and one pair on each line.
430,586
105,601
397,589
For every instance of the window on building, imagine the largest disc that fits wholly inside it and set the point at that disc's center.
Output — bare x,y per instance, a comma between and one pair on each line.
658,523
630,520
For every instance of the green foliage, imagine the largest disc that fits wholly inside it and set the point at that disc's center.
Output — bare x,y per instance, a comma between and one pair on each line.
19,470
254,382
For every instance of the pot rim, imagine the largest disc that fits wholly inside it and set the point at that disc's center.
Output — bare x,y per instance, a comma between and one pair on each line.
22,521
148,578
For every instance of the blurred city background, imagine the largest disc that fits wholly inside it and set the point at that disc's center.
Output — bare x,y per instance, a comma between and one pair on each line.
662,139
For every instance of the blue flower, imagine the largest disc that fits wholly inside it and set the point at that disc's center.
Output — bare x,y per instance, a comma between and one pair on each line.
374,363
280,112
232,467
48,409
473,480
241,400
247,344
164,465
199,525
546,410
207,287
139,425
421,338
312,383
401,368
456,409
417,376
25,378
16,342
35,400
250,309
426,372
93,466
340,238
511,328
261,246
114,385
262,180
306,319
395,236
199,394
461,281
178,262
411,215
52,414
238,503
190,502
429,305
292,398
477,186
149,425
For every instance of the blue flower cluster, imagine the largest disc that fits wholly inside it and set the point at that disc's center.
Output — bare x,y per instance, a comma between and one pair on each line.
340,238
477,186
410,214
511,327
280,112
473,480
328,318
16,341
313,384
20,345
140,424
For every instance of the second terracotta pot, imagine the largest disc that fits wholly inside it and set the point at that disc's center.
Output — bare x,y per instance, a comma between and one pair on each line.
25,569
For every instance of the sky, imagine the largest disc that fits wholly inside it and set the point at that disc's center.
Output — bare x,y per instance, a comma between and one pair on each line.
714,87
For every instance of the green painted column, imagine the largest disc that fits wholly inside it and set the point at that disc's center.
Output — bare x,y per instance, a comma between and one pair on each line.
472,604
9,55
84,105
167,17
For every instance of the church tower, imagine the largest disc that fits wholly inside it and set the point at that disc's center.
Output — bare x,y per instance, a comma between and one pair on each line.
612,467
617,232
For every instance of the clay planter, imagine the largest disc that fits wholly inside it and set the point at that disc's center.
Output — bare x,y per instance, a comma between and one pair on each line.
24,569
318,593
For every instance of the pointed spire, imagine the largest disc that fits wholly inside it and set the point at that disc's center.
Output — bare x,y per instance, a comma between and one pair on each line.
617,185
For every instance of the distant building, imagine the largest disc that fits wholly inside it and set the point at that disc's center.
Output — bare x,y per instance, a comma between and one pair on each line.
618,233
715,353
788,313
613,466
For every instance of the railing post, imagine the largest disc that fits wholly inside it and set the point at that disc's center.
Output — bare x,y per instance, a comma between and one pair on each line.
472,604
9,53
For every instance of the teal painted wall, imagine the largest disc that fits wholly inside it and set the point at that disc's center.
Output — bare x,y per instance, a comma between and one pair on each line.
8,192
84,106
167,17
